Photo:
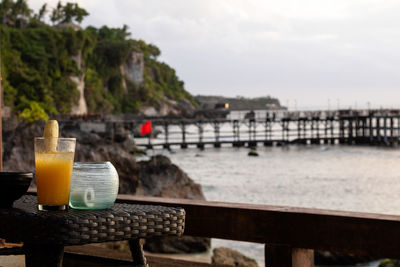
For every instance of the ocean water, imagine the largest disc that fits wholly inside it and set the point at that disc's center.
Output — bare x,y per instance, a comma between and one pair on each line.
334,177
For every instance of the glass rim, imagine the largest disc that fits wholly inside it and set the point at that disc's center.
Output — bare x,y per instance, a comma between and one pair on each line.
60,138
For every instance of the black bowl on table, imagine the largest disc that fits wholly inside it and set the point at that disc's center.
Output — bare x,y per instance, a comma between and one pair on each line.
13,185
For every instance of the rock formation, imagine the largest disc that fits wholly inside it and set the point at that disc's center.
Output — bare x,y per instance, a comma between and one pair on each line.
133,72
81,107
230,257
133,68
159,177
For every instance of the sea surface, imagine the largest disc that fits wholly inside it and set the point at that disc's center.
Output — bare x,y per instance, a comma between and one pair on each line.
349,178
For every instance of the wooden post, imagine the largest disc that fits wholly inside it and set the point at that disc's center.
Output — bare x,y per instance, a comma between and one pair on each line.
364,122
200,142
371,131
392,140
250,129
166,132
183,127
1,129
350,131
357,128
253,126
378,130
312,128
299,129
385,139
285,256
216,133
342,133
398,129
287,130
302,257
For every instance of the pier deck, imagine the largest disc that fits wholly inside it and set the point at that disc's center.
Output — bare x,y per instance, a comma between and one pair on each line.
365,127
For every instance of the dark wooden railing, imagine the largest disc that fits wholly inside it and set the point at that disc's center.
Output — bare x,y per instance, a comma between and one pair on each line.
290,234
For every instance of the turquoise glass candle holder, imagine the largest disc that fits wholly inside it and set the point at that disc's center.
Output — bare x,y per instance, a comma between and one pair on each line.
94,185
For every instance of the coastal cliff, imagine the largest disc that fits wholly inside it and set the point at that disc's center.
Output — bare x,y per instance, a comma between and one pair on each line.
64,69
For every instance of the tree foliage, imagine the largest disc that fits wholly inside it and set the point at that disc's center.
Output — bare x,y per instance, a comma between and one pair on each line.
68,13
15,14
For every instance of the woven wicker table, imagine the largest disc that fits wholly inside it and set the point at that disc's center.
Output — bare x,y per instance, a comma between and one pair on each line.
46,233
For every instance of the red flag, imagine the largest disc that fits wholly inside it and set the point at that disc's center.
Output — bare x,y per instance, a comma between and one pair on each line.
146,128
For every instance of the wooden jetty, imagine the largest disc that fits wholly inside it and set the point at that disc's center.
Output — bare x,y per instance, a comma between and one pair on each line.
366,127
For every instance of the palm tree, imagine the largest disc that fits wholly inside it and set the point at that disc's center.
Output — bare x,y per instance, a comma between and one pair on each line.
68,13
57,13
79,13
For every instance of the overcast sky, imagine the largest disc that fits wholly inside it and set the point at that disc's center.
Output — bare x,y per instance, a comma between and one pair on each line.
308,52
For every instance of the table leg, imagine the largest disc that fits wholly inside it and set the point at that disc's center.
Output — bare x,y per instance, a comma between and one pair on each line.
43,255
139,260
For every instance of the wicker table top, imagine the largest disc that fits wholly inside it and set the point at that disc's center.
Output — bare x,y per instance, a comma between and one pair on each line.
75,227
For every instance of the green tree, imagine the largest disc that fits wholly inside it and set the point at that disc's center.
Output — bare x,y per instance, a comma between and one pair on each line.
56,14
34,113
68,13
154,50
79,13
114,33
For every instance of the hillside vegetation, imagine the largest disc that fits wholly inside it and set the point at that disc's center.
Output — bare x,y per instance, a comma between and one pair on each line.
38,61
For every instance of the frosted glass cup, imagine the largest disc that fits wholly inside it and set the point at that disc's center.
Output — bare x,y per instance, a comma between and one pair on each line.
94,185
54,158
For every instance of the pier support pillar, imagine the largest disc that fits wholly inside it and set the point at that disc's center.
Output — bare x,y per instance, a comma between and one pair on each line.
184,145
268,143
252,144
166,146
200,145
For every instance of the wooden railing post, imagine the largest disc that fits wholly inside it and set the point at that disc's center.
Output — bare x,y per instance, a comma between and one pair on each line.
285,256
1,129
302,257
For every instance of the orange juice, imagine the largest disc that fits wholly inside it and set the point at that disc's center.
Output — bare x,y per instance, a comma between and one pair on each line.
53,177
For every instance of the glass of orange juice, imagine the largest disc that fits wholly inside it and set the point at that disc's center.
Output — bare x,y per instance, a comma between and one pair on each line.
54,158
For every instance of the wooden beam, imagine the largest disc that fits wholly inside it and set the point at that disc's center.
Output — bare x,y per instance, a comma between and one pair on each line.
351,232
